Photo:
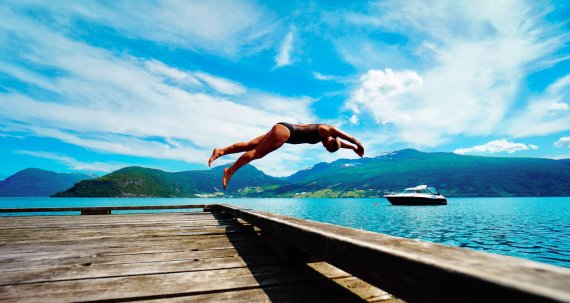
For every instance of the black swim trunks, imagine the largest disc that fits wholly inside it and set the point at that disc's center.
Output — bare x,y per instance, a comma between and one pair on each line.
303,134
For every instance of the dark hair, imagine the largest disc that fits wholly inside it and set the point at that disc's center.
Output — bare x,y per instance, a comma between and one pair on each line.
335,147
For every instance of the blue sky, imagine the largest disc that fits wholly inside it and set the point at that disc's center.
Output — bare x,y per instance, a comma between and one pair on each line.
93,86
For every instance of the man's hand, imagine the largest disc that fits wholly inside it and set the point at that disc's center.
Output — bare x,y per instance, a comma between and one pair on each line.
359,150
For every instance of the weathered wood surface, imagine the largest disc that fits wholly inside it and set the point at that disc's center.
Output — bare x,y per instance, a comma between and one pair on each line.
414,270
167,257
99,210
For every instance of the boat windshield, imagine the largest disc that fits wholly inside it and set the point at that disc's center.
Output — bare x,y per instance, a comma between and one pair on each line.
426,190
433,190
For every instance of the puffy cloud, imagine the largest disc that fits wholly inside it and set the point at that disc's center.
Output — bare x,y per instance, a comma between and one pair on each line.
378,94
473,57
563,142
496,146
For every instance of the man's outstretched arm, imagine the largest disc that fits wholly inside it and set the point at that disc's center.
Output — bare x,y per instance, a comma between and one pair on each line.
335,132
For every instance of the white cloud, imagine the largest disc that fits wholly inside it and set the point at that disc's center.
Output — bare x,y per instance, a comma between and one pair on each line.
364,53
322,77
222,85
160,69
290,109
379,92
283,58
193,79
121,104
563,142
229,28
496,146
125,145
555,106
547,113
11,136
353,119
73,163
473,57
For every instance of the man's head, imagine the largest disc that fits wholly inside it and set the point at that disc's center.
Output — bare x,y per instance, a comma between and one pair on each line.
331,144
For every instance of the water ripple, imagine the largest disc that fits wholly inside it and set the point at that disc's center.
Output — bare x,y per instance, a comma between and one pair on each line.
531,228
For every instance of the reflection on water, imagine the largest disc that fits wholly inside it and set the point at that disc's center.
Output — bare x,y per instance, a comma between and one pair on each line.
532,228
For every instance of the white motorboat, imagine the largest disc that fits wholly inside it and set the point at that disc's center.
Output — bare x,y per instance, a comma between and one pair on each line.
419,195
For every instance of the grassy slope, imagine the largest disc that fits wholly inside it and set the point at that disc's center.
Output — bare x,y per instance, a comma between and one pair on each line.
455,175
146,182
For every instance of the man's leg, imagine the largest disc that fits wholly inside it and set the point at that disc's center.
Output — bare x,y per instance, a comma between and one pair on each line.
274,139
235,148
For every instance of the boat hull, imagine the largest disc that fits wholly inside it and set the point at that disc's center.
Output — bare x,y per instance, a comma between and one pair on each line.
415,200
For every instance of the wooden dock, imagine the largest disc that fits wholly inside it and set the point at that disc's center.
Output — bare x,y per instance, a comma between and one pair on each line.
229,254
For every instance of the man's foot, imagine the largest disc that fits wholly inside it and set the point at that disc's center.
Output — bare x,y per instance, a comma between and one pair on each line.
226,178
215,154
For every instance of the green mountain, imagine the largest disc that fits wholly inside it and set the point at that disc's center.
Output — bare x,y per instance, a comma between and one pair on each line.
454,175
146,182
34,182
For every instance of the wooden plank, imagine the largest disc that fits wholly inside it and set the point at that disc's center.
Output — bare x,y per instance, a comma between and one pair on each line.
280,293
399,265
91,270
272,283
100,208
126,224
298,292
136,221
121,247
7,222
113,226
46,235
110,229
199,258
156,215
155,286
25,263
191,241
364,290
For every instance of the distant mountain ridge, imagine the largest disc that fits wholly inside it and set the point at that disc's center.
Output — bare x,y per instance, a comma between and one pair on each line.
146,182
455,175
35,182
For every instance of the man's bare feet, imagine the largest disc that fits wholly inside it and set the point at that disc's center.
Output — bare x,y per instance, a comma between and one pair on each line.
215,154
226,179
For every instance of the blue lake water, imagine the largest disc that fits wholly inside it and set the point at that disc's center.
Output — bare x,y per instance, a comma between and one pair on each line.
531,228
